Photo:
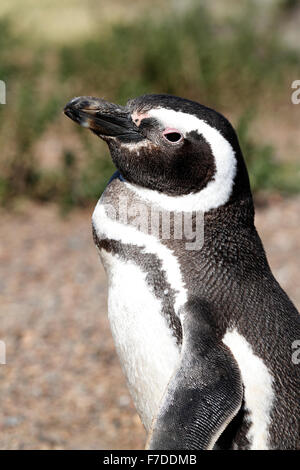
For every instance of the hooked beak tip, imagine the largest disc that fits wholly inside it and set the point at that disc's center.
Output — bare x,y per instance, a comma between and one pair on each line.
81,109
103,118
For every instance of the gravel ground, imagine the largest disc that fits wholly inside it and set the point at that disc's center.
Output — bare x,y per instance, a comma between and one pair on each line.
62,386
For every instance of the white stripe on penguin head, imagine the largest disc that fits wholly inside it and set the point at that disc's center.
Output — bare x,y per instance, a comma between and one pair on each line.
218,190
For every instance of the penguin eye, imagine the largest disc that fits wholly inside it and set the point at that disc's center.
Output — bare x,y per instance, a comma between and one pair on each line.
172,135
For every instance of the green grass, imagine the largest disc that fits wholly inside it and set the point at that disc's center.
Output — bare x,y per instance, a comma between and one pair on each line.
265,171
229,65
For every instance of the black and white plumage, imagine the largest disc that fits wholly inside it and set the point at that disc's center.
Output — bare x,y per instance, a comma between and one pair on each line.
204,336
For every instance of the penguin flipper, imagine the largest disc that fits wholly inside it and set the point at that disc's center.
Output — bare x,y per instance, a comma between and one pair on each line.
205,392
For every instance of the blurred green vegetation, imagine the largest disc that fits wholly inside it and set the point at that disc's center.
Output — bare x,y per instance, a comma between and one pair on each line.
232,65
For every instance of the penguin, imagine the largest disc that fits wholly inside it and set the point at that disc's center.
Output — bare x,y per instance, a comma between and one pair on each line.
203,330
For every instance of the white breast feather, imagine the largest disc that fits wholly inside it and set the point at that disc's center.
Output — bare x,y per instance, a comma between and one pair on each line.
259,393
145,344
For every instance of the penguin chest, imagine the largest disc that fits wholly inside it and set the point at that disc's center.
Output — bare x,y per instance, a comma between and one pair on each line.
145,343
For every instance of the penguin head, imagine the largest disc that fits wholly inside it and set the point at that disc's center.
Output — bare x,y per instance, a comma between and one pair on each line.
169,145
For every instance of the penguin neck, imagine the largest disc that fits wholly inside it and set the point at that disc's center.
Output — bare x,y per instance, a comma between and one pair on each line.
232,222
235,211
239,206
239,209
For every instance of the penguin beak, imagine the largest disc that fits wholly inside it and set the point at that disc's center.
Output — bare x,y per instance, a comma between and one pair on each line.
103,118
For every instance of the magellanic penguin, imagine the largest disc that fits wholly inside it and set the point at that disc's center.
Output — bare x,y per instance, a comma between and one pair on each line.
204,334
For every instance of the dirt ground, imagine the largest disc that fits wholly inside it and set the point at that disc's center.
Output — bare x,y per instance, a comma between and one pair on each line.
62,386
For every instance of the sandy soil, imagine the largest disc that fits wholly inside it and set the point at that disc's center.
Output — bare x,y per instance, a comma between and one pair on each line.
62,386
